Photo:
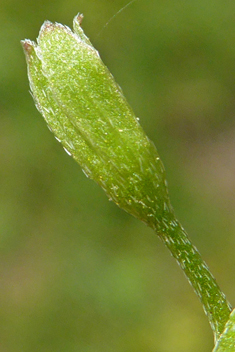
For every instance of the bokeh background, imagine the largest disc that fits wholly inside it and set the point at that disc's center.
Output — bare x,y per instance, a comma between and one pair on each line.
76,272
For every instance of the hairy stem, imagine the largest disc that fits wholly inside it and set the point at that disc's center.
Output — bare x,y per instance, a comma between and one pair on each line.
214,302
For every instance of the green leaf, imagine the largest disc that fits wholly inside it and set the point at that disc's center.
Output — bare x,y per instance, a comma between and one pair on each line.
226,342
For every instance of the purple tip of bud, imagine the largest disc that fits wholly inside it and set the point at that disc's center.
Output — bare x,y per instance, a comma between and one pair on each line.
46,28
80,18
28,46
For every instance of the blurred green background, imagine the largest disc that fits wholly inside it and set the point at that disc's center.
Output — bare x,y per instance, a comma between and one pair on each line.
76,272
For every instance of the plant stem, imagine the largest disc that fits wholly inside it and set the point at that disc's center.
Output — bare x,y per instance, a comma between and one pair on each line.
214,302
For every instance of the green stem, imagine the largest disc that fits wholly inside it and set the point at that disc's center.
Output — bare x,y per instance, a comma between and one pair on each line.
214,302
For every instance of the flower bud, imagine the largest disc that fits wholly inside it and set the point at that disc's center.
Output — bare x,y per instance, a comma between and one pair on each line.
86,110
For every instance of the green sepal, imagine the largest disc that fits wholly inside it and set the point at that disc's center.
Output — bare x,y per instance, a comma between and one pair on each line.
226,342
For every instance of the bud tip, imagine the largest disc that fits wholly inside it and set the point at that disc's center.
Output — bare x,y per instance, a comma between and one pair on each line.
79,18
28,46
46,28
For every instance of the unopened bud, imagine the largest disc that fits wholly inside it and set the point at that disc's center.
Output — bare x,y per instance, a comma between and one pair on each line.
87,112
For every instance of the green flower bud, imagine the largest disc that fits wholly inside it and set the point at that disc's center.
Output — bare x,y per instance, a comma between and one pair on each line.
87,112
